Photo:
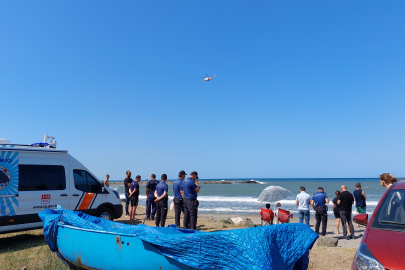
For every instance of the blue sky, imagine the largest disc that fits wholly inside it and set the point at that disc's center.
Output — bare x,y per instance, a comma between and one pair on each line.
303,88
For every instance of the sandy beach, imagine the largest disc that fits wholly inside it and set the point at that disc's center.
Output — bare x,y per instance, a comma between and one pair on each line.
339,257
213,222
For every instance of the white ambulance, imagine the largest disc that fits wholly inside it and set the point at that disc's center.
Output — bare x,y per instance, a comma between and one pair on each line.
39,176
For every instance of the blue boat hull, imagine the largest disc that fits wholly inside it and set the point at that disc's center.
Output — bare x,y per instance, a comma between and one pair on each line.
89,249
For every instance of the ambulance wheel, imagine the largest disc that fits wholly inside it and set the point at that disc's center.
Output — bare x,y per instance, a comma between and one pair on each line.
105,213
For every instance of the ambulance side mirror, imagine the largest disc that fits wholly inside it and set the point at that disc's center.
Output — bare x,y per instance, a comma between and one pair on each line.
102,187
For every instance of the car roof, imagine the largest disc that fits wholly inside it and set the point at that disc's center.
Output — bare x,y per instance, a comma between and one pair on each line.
399,185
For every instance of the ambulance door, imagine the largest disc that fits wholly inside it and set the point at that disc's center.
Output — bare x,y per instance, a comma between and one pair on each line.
8,190
42,185
87,192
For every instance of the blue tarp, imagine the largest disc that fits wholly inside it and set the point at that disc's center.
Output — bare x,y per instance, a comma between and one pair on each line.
284,246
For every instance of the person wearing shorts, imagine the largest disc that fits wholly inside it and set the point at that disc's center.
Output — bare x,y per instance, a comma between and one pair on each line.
360,198
134,197
335,209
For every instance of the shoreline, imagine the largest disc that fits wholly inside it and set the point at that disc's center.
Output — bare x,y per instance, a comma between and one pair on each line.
200,182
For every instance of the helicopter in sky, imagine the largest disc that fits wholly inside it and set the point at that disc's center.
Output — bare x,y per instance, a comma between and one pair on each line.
208,78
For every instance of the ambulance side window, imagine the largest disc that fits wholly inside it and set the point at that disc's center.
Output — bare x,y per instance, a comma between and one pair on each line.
41,177
93,184
85,182
80,180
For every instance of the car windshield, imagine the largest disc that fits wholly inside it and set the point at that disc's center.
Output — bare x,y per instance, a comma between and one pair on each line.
391,214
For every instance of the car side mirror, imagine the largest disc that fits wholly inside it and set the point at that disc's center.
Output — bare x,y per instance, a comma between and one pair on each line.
361,219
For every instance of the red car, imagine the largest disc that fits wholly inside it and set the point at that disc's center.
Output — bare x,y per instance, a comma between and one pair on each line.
382,245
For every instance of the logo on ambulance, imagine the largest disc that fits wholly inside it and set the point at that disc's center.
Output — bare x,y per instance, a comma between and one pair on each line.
5,177
46,198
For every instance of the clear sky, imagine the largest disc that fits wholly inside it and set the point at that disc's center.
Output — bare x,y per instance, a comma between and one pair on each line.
303,88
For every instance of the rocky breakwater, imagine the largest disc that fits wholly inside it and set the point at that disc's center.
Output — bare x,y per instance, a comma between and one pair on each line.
229,182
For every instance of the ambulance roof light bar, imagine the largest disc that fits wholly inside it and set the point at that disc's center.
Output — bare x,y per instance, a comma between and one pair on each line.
52,143
4,141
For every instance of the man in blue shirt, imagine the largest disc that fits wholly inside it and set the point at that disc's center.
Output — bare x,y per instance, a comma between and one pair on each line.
161,200
178,199
191,188
134,196
150,197
318,202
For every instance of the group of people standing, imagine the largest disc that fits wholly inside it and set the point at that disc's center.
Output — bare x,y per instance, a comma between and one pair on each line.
341,206
185,198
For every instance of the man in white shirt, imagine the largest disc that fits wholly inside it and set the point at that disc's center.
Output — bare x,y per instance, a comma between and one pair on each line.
302,201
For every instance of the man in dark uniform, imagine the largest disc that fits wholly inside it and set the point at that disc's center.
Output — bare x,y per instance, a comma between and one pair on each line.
127,183
191,188
179,198
161,201
150,197
134,196
318,202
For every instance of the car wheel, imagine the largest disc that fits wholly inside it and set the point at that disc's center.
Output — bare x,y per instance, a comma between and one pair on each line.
105,213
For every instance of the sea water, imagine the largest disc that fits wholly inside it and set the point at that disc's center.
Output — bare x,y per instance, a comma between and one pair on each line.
241,199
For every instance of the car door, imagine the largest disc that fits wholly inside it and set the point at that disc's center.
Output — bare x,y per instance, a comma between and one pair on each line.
42,185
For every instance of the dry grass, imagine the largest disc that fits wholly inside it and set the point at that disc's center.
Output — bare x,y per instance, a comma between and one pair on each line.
27,249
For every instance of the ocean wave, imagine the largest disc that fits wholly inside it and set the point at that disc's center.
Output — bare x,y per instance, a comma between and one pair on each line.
227,199
256,211
141,197
255,181
241,200
226,209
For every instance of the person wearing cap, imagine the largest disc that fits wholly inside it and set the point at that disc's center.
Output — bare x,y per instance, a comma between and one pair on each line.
318,202
191,188
150,197
179,198
161,201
